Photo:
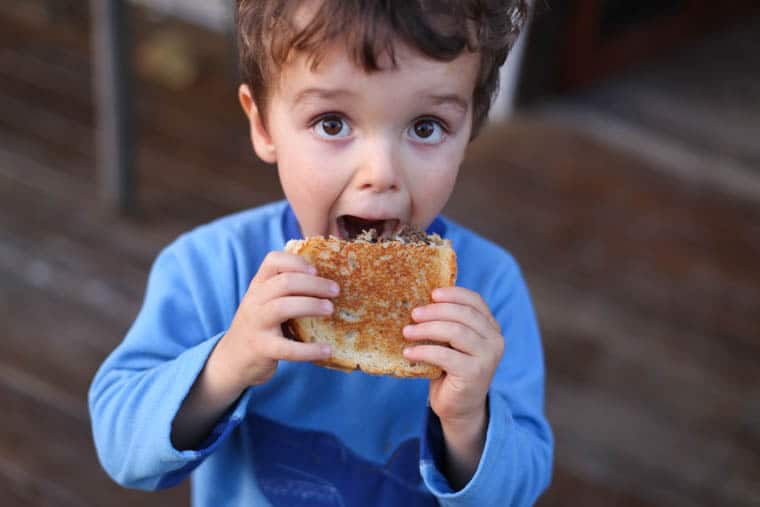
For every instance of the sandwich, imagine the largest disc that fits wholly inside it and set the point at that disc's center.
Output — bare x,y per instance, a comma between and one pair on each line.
382,277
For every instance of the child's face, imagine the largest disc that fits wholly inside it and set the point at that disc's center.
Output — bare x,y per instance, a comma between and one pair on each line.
357,149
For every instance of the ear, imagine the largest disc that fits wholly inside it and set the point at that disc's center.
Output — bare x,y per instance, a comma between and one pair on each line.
262,142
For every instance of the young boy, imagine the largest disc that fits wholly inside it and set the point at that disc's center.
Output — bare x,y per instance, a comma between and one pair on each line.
366,108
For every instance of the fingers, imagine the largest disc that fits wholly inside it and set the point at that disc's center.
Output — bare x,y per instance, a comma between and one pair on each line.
460,319
291,295
279,348
286,287
277,311
449,360
457,335
277,262
301,284
456,313
462,296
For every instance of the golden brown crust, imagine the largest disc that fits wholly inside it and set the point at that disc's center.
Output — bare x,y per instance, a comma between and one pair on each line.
380,284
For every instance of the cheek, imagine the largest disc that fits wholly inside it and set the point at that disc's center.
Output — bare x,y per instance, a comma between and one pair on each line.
431,190
298,168
438,170
305,182
311,185
441,187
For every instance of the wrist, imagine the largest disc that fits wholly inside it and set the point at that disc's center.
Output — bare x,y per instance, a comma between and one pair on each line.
210,396
464,438
222,375
466,429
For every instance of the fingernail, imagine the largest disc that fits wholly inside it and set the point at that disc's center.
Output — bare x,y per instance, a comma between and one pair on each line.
437,293
312,270
327,306
408,351
334,289
417,313
407,330
326,351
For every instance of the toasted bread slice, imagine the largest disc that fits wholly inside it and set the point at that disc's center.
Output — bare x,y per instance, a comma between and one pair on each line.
381,283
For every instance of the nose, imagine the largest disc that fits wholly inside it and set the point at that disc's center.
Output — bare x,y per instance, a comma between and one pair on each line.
379,167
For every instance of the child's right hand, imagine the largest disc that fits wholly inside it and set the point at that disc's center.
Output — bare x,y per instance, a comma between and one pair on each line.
285,287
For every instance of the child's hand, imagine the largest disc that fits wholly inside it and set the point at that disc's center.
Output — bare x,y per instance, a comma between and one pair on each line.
285,287
458,318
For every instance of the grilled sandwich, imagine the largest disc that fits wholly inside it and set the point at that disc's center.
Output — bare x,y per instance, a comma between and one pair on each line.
382,279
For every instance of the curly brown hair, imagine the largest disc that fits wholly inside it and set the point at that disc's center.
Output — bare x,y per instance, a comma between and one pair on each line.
268,33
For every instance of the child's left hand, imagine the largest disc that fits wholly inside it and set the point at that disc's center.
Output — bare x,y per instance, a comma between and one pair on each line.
459,318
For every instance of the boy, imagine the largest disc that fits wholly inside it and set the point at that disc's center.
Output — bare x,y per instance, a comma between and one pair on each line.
366,108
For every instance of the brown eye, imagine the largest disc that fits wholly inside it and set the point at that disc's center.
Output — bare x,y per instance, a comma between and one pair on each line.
332,126
424,128
427,131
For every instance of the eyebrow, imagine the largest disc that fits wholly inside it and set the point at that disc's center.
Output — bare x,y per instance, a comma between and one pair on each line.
451,99
321,93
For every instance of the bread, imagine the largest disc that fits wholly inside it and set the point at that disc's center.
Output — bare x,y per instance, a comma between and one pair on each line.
381,283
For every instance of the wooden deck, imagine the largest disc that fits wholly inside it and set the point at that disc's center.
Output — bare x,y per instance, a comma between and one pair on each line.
646,284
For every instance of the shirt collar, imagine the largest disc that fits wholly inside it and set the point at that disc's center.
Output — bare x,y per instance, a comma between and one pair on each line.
291,229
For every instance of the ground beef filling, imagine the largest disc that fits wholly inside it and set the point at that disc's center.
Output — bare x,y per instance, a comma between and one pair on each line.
404,234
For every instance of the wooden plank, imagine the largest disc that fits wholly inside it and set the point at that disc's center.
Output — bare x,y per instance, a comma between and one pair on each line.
593,342
30,125
622,446
20,489
647,413
57,341
51,207
568,487
63,464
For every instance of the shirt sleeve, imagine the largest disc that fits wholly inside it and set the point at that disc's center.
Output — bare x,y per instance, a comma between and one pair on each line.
515,466
139,389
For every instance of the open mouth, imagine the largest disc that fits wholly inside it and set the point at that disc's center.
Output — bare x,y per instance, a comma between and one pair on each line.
349,226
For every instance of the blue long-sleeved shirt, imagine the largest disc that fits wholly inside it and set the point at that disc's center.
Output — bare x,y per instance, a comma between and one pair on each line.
310,436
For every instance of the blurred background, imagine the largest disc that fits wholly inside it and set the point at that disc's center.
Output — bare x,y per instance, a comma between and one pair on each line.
621,168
